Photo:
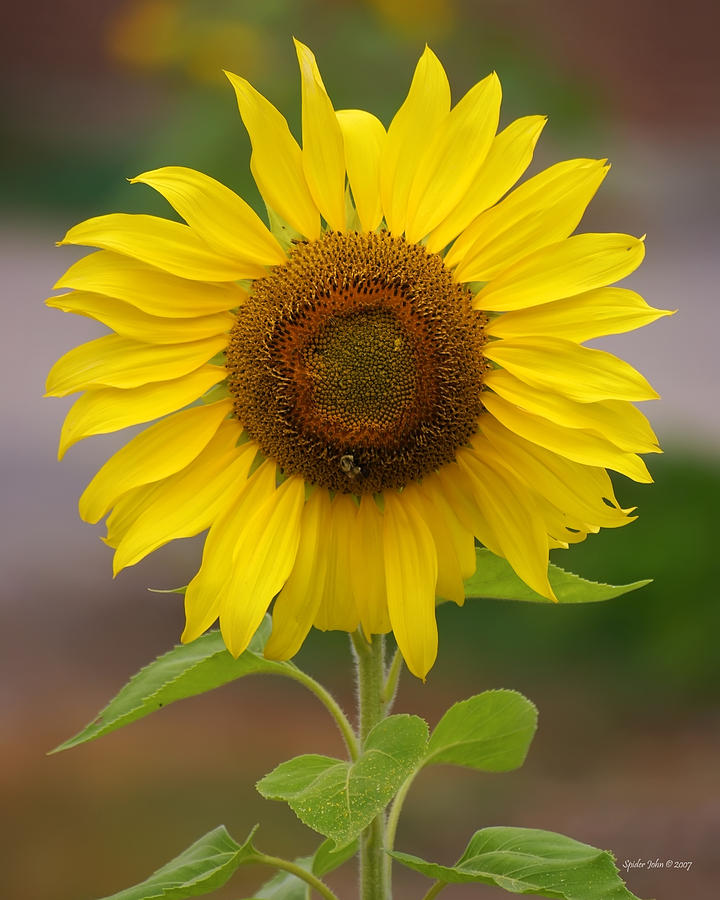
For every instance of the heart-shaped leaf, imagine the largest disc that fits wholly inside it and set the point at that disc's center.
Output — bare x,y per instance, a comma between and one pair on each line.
494,577
185,671
339,799
530,861
205,866
491,732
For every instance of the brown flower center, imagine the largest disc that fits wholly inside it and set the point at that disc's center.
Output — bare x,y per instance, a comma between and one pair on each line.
358,364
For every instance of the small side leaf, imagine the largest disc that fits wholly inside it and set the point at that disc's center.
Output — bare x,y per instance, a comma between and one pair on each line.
205,866
285,886
494,577
329,857
185,671
491,732
530,861
339,799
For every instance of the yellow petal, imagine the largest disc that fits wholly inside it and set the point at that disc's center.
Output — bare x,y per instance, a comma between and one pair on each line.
204,594
559,526
102,410
566,368
338,610
127,510
455,487
449,578
573,443
190,501
616,420
367,568
557,523
510,154
607,310
461,537
515,520
297,603
323,155
567,484
264,556
114,361
131,322
276,161
411,577
168,245
153,291
580,263
543,210
364,139
216,214
453,157
159,451
425,107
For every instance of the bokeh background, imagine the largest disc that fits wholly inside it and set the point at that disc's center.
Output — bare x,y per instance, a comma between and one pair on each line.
627,752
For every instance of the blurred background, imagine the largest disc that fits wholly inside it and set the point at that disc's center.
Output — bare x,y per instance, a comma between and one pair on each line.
626,755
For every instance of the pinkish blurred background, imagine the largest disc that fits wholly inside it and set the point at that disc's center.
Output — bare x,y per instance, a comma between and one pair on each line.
626,756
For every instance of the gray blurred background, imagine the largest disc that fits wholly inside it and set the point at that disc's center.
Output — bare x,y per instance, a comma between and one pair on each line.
626,754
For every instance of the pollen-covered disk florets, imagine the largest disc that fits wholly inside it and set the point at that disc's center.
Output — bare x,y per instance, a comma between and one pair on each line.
358,363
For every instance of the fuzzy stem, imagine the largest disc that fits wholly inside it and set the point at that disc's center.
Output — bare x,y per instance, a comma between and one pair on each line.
392,680
370,667
277,863
332,706
435,890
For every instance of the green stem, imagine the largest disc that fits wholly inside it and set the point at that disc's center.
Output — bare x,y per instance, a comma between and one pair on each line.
391,682
287,866
332,706
370,665
435,890
392,820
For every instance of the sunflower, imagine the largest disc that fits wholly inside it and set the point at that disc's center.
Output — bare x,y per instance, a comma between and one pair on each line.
349,398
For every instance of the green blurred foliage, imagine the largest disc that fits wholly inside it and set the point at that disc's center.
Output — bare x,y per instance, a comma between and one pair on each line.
658,643
168,56
656,646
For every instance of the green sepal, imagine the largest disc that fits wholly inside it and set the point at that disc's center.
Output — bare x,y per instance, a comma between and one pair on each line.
494,577
530,861
491,732
283,233
186,670
205,866
339,799
286,886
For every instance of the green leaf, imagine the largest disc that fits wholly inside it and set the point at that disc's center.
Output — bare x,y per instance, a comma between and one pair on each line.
530,861
339,799
329,857
185,671
285,886
491,732
494,577
205,866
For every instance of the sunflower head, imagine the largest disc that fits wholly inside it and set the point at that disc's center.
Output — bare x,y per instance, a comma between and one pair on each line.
349,400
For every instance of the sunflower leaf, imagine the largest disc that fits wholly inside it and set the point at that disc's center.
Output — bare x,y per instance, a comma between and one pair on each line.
205,866
339,799
286,886
530,861
491,732
184,671
494,577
